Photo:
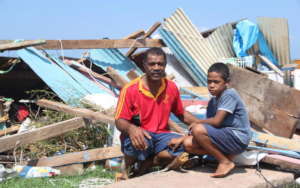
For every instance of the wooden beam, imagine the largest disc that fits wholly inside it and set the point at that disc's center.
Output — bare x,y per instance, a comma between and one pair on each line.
121,81
270,64
283,162
101,43
271,105
19,45
31,136
149,33
9,130
88,71
79,157
131,75
82,112
276,142
135,35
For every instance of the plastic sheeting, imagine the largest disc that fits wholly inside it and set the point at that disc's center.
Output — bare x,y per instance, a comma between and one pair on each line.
245,36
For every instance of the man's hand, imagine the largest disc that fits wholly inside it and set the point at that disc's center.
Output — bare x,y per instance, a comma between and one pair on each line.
137,137
175,143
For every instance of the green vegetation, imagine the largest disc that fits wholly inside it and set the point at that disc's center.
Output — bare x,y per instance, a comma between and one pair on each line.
99,176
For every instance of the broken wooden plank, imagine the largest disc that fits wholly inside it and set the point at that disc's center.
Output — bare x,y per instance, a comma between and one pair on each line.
9,130
283,162
270,105
82,112
79,157
135,35
4,118
275,141
71,170
101,43
270,64
132,75
148,33
121,81
19,45
88,71
31,136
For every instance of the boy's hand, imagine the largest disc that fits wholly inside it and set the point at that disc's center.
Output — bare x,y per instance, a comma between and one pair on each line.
175,143
191,126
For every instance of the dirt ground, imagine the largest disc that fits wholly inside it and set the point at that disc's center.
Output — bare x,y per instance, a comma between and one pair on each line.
199,177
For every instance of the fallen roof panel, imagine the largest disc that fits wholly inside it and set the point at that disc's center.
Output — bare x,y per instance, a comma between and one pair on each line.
195,52
276,32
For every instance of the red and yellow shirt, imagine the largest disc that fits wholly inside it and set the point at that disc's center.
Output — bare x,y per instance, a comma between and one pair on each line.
154,111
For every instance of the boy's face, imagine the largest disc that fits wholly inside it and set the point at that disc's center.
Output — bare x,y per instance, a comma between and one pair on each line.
216,84
155,67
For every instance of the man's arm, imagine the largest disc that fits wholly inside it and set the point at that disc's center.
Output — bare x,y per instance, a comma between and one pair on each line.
136,134
188,118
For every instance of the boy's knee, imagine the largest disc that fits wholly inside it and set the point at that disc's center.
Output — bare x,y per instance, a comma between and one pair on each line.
188,144
199,130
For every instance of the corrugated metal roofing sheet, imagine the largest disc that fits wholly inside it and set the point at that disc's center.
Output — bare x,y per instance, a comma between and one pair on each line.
113,58
276,32
66,82
195,52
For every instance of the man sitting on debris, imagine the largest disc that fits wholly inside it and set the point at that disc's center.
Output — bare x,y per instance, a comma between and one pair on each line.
226,131
150,99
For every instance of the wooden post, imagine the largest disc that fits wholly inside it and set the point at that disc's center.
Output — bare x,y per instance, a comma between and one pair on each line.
31,136
23,44
117,78
135,35
149,33
102,43
82,112
132,75
78,157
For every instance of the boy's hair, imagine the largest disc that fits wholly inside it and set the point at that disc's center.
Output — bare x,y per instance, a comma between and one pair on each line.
155,51
222,69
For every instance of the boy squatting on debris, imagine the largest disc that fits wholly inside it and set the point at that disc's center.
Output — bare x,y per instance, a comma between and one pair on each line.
151,98
226,131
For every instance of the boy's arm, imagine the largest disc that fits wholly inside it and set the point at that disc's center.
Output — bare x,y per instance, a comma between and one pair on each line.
215,121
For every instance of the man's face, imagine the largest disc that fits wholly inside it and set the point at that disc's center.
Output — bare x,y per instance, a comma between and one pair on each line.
155,67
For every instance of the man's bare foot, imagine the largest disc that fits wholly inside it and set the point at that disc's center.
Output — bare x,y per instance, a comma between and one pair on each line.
223,169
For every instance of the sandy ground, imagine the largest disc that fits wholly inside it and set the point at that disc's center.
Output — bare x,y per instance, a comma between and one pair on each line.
199,177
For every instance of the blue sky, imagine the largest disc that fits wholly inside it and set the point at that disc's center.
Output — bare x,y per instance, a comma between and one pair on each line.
92,19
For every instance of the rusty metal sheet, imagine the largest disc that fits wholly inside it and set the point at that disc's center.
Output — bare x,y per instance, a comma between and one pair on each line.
195,52
276,33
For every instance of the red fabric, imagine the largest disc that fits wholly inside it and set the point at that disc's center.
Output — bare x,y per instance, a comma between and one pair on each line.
22,113
154,112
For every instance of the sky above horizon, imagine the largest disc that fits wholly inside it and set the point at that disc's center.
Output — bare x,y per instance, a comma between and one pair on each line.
93,19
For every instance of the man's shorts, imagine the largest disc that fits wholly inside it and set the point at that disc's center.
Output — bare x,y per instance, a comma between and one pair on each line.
157,143
225,140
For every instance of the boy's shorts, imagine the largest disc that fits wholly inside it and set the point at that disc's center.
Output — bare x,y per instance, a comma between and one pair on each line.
225,140
157,143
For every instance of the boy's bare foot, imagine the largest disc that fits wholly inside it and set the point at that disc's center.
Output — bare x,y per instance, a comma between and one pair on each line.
223,169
